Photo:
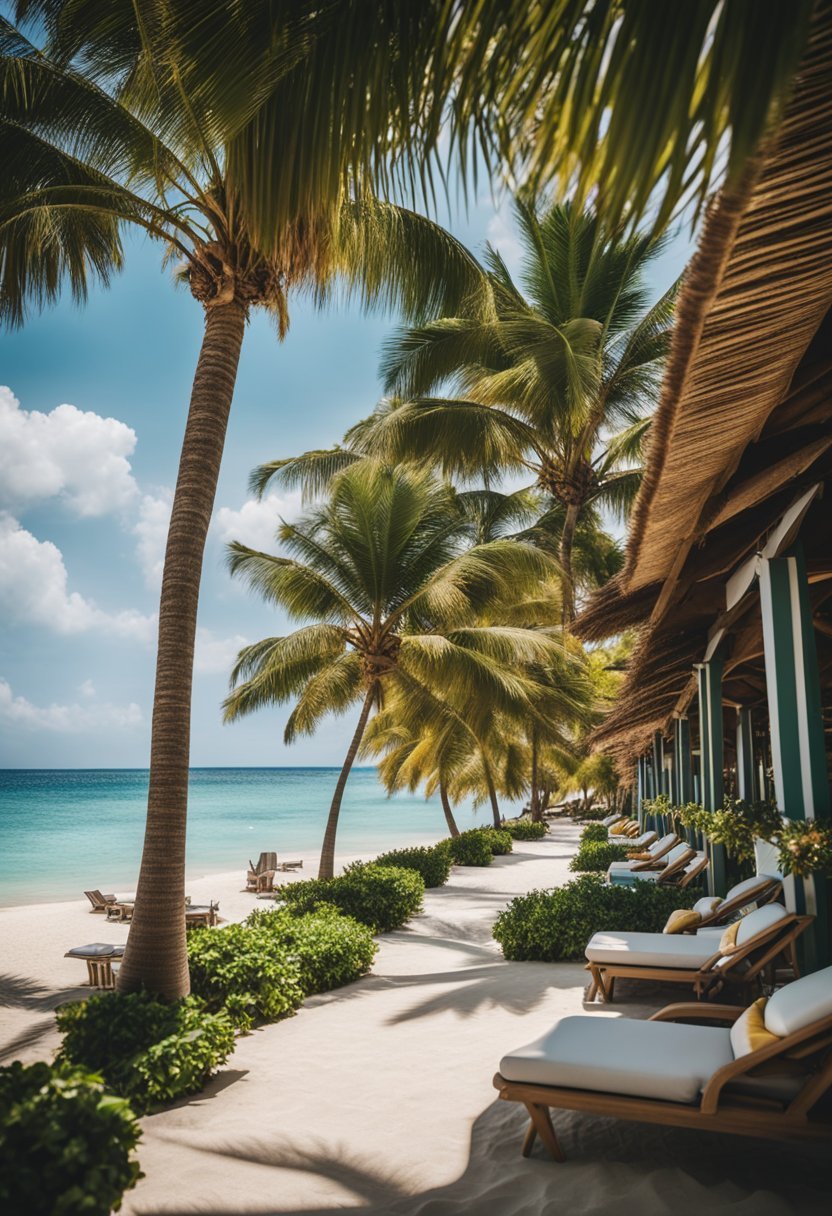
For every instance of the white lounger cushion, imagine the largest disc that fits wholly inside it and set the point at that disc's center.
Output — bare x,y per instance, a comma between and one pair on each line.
756,922
799,1003
749,886
623,1056
707,904
634,842
651,949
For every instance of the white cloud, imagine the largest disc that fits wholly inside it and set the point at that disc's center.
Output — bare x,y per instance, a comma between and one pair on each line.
67,719
33,589
87,689
213,654
68,452
502,235
257,521
151,529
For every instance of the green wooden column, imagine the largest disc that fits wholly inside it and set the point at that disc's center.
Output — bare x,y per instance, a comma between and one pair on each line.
710,736
682,761
746,764
796,720
658,768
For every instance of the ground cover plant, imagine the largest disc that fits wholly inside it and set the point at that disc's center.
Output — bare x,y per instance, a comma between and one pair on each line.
548,926
330,949
593,832
471,848
383,897
597,855
524,829
148,1051
66,1146
432,862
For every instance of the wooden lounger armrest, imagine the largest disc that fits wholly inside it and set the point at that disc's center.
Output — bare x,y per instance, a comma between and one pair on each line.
793,923
691,1011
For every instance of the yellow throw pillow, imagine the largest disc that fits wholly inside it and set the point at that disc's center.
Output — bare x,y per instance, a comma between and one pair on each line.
728,941
680,920
749,1032
633,856
613,829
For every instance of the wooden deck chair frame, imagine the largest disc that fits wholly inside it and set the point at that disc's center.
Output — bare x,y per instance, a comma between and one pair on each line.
100,903
674,876
759,952
657,861
717,1111
727,908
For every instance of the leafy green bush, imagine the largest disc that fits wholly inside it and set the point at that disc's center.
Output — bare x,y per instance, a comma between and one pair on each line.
433,863
66,1146
471,848
593,832
548,926
499,841
525,829
245,971
383,897
330,949
594,855
146,1050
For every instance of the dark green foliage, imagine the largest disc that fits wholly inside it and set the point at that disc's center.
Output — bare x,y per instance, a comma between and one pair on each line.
65,1145
471,848
594,855
590,813
433,863
524,829
594,831
499,841
383,897
548,926
146,1050
330,949
245,971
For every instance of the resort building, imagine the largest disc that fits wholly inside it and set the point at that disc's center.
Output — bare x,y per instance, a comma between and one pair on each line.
728,573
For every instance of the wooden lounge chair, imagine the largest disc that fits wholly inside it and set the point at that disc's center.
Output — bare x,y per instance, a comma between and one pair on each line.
637,843
715,912
260,877
667,865
100,903
99,957
700,961
680,871
700,1076
654,855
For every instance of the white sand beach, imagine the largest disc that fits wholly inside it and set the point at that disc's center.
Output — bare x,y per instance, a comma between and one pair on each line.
378,1097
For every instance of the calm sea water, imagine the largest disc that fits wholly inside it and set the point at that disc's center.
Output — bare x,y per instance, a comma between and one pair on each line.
63,831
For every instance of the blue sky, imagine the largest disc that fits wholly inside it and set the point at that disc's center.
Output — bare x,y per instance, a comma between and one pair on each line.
91,418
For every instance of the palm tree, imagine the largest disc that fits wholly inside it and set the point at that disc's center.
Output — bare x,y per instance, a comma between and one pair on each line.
382,571
557,382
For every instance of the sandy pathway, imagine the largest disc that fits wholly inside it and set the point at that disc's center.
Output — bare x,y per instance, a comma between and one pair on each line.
378,1096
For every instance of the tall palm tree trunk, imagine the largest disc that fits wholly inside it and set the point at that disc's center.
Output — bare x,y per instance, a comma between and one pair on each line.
567,540
492,793
156,957
446,807
327,865
534,800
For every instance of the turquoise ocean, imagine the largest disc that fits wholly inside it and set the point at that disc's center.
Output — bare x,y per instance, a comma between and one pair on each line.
66,830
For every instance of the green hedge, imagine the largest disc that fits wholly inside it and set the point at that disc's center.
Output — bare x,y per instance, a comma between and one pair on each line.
66,1146
471,848
499,841
548,926
330,949
433,862
383,897
597,855
146,1050
244,971
594,831
525,829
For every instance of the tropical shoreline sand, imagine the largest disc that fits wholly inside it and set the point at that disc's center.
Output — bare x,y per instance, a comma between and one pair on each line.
378,1096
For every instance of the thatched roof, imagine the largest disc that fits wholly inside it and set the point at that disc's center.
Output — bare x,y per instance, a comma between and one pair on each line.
744,414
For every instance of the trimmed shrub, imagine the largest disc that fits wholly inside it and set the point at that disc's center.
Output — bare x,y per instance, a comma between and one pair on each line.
330,949
499,841
595,855
244,971
471,848
66,1146
590,813
147,1051
383,897
547,926
594,831
525,829
433,863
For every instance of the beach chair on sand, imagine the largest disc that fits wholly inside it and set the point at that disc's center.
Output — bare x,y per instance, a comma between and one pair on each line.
684,866
712,912
637,843
100,958
100,903
260,877
739,957
668,859
762,1073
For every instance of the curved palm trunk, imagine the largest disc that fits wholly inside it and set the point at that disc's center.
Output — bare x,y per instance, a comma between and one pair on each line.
446,807
492,794
327,865
567,541
534,801
156,957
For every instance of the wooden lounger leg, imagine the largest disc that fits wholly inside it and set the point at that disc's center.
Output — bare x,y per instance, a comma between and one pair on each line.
542,1126
529,1139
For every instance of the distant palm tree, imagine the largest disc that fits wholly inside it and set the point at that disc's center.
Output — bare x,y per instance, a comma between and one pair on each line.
382,571
558,382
